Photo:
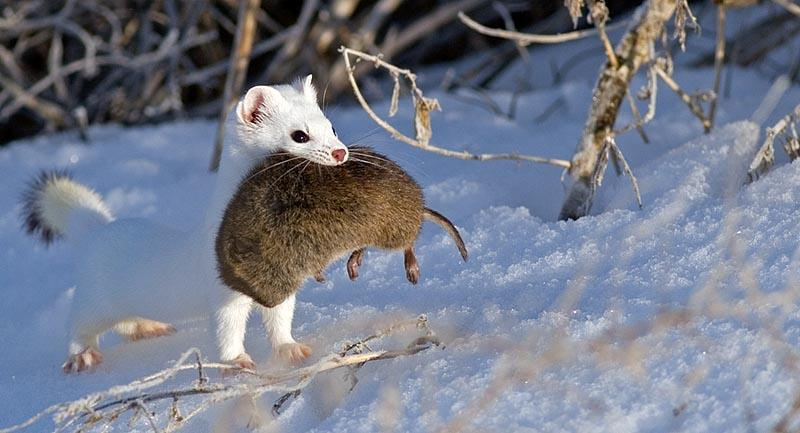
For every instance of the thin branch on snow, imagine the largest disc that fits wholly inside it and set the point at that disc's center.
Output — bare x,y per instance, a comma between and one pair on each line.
633,50
638,120
139,396
422,108
719,58
765,157
611,150
361,346
524,39
690,100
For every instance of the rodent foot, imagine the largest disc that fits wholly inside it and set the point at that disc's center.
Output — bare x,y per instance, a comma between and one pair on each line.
354,262
88,358
412,266
320,277
293,353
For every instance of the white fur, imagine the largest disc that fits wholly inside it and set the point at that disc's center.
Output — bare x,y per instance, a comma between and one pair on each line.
66,206
134,268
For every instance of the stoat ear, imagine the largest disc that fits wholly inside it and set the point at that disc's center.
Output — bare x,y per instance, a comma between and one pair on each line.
307,88
260,102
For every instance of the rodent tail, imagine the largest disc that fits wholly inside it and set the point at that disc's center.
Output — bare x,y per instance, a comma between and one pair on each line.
440,219
55,206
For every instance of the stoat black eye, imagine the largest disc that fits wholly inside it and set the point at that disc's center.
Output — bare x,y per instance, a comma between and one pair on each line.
299,136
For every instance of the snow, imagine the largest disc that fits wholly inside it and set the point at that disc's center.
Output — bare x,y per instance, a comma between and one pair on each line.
549,327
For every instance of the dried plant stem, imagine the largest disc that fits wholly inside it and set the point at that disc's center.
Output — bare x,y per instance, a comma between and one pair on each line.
690,102
136,397
719,58
418,96
634,49
527,38
243,45
638,121
789,6
599,15
48,110
765,157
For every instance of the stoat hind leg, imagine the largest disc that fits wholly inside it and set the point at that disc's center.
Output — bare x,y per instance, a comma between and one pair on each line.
139,328
84,353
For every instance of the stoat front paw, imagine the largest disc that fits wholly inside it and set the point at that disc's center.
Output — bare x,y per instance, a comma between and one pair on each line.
293,353
82,361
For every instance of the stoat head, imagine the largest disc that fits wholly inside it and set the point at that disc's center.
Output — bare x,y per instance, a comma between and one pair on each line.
287,118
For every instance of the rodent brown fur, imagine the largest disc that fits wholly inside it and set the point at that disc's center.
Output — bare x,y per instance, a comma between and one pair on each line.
290,218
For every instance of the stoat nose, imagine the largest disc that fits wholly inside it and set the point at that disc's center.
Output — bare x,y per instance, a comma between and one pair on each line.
339,155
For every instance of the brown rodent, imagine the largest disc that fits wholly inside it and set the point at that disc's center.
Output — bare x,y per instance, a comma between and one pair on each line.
290,218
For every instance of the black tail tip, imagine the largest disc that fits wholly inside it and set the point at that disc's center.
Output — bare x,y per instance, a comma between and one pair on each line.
32,221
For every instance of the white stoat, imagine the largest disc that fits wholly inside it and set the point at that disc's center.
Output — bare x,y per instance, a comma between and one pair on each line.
135,276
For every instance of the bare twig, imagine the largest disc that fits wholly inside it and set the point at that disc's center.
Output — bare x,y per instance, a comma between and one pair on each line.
598,12
634,50
242,45
765,157
360,346
638,121
422,106
690,102
48,110
719,57
108,405
527,38
789,6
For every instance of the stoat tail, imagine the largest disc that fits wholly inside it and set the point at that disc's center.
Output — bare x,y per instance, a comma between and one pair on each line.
56,206
432,215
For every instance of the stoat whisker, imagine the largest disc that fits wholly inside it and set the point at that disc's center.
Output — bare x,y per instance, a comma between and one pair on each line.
368,162
271,166
299,175
366,155
368,134
287,172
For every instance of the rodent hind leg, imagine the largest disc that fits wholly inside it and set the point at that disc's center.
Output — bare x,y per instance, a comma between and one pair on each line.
231,321
353,263
138,328
278,322
412,266
84,353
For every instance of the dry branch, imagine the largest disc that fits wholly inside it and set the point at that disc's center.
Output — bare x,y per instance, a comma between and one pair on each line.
422,108
789,6
634,50
524,39
765,157
129,61
142,396
691,101
242,46
719,58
